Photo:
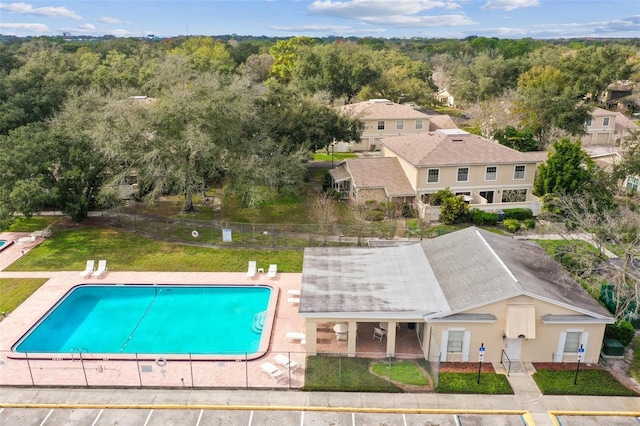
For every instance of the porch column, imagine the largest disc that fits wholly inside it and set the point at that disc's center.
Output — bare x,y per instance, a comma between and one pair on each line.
391,338
351,339
311,346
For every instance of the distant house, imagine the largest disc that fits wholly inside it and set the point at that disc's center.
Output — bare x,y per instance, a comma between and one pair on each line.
382,118
490,176
619,96
607,128
452,294
443,97
607,157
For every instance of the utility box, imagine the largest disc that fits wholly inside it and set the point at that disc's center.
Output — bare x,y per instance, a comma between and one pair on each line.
500,214
612,347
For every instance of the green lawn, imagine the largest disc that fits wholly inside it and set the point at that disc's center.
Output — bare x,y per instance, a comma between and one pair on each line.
337,156
405,372
14,291
69,249
490,383
344,374
590,382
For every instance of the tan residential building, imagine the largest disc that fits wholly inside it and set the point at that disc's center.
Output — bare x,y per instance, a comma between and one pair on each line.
450,296
382,118
607,128
490,176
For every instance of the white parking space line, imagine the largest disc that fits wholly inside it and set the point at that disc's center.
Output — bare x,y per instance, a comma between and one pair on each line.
404,419
456,418
301,418
353,419
45,419
251,418
199,417
1,409
97,417
148,417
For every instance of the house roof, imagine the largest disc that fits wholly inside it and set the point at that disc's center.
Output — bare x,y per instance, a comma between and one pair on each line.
436,278
601,112
379,172
454,146
441,121
495,268
381,109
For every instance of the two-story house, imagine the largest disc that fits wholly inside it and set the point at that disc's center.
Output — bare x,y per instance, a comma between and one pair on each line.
490,176
607,128
382,118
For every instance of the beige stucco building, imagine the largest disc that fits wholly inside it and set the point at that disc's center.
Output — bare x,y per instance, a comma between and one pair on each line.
454,293
607,128
382,118
490,176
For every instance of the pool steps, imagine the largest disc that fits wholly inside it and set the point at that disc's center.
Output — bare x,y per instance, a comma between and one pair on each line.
258,322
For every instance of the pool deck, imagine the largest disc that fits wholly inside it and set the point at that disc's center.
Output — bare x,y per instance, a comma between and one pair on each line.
126,373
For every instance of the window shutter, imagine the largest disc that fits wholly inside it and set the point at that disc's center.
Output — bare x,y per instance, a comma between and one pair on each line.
560,349
444,341
466,341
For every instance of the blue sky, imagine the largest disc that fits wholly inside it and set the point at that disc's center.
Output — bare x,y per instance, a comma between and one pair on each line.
285,18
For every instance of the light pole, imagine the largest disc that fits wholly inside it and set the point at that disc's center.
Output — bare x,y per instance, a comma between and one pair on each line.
480,359
332,148
580,356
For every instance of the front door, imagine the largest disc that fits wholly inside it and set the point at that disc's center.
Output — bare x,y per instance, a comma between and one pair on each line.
488,195
513,348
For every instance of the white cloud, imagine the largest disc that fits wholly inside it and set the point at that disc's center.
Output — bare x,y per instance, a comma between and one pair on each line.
87,26
327,29
110,20
356,9
49,12
8,27
614,28
407,13
509,4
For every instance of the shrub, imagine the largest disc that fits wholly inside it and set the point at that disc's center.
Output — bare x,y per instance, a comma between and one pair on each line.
529,223
479,217
511,225
622,331
453,210
408,211
518,214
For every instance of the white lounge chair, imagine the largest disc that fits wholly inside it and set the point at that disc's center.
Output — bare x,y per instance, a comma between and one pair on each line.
287,362
88,270
273,371
293,292
273,271
294,300
102,269
43,233
378,333
293,336
252,268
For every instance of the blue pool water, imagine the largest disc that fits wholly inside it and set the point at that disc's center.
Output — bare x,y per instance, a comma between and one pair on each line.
150,319
3,242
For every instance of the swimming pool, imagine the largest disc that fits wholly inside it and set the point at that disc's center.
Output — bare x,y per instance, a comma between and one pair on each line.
4,244
154,319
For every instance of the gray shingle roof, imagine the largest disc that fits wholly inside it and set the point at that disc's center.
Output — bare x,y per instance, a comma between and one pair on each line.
439,277
381,109
442,148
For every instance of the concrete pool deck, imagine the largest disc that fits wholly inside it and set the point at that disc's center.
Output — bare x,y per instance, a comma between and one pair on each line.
101,372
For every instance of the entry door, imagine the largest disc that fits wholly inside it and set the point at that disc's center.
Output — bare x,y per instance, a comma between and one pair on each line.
513,348
488,195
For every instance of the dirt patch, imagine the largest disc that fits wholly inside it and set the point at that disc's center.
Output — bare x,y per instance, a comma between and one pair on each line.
67,223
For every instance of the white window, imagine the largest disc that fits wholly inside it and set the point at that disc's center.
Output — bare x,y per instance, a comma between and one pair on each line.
463,174
433,175
381,125
418,124
400,125
632,183
572,342
454,344
519,172
491,173
589,122
605,121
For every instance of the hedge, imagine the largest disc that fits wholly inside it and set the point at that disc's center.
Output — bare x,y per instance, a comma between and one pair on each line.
518,214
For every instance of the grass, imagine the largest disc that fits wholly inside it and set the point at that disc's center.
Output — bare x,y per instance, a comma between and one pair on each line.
634,368
490,383
590,382
405,372
34,223
337,156
343,374
553,247
69,249
14,291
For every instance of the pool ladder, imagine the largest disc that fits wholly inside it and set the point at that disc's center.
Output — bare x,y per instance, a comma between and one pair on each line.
258,322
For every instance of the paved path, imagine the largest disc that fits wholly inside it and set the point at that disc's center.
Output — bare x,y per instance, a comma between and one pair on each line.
581,236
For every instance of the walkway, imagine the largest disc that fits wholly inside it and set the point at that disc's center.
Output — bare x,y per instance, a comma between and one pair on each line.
581,236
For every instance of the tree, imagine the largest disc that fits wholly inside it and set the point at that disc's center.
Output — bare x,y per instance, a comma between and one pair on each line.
285,56
617,227
520,140
569,170
206,54
629,165
547,100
